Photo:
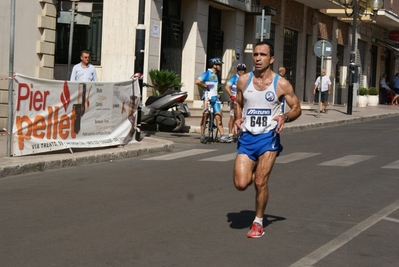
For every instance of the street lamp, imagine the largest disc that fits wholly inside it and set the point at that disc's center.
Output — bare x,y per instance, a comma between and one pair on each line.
352,10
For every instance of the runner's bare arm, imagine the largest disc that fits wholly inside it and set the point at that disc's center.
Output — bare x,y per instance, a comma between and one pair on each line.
284,89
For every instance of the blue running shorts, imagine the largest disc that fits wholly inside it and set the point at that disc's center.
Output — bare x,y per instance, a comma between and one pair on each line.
256,145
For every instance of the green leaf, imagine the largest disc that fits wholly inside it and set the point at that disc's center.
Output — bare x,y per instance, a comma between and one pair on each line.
363,91
373,91
164,80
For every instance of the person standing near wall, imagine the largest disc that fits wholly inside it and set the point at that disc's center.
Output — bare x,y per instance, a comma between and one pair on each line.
383,89
396,83
323,83
231,89
84,71
281,72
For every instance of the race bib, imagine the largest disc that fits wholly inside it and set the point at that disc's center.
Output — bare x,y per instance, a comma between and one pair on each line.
257,119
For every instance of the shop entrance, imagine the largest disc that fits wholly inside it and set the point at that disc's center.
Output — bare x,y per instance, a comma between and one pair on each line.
215,34
172,36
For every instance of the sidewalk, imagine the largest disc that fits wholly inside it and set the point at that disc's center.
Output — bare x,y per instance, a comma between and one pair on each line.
59,159
309,119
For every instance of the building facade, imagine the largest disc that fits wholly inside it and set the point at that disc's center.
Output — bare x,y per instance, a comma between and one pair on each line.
181,35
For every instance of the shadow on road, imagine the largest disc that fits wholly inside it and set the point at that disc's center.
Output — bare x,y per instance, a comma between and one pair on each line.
152,129
244,219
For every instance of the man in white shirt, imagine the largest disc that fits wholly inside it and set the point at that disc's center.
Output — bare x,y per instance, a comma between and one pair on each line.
324,84
383,89
396,83
84,71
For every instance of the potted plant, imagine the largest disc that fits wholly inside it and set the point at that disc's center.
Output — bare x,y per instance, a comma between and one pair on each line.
373,97
362,99
164,80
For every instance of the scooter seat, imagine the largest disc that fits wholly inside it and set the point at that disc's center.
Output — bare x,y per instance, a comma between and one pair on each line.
154,98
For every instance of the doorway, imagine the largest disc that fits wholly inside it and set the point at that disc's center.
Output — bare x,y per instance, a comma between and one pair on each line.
172,36
215,34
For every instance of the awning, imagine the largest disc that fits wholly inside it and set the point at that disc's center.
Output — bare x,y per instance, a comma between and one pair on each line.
388,45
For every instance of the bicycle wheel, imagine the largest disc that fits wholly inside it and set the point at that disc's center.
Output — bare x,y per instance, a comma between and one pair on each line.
215,128
208,128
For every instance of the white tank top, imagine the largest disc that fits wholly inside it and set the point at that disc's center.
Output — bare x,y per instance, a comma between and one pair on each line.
260,107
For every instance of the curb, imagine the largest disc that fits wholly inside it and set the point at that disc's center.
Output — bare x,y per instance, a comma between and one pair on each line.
38,163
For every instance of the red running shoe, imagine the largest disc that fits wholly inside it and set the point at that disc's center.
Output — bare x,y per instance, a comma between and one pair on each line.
256,231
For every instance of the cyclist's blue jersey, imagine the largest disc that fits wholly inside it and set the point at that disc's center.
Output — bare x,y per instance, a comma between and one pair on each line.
211,80
232,82
260,107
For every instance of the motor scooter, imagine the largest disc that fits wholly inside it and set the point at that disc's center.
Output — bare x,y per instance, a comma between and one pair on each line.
168,111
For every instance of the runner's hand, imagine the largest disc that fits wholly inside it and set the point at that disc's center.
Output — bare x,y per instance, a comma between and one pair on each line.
280,123
237,126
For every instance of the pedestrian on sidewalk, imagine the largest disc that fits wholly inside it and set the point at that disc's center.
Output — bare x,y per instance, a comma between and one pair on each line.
257,116
323,83
231,89
281,72
209,81
396,83
84,71
383,89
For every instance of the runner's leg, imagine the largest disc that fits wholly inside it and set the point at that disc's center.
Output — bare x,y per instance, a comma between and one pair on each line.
262,173
243,171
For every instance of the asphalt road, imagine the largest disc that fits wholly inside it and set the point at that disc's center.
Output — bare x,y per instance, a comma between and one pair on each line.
334,202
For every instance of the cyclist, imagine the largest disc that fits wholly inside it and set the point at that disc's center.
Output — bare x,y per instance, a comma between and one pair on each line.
209,81
231,89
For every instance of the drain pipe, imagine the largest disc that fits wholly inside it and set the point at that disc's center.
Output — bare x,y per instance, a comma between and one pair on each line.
11,80
139,61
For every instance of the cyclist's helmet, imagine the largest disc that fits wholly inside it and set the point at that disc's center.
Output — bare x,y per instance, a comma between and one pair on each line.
216,61
241,66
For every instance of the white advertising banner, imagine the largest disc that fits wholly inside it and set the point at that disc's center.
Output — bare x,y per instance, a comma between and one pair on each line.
54,115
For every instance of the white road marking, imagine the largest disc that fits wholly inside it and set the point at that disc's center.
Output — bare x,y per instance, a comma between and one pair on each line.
294,157
344,238
182,154
393,165
391,219
226,157
347,160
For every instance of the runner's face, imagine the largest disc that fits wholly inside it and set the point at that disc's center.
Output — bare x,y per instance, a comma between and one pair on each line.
262,58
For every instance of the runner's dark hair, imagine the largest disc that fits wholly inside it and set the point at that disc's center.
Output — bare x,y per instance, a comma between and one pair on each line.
271,48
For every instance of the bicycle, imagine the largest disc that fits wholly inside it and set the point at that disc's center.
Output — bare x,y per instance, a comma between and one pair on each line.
210,129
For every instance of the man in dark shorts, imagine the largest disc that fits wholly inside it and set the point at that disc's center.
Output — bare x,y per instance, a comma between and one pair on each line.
323,83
